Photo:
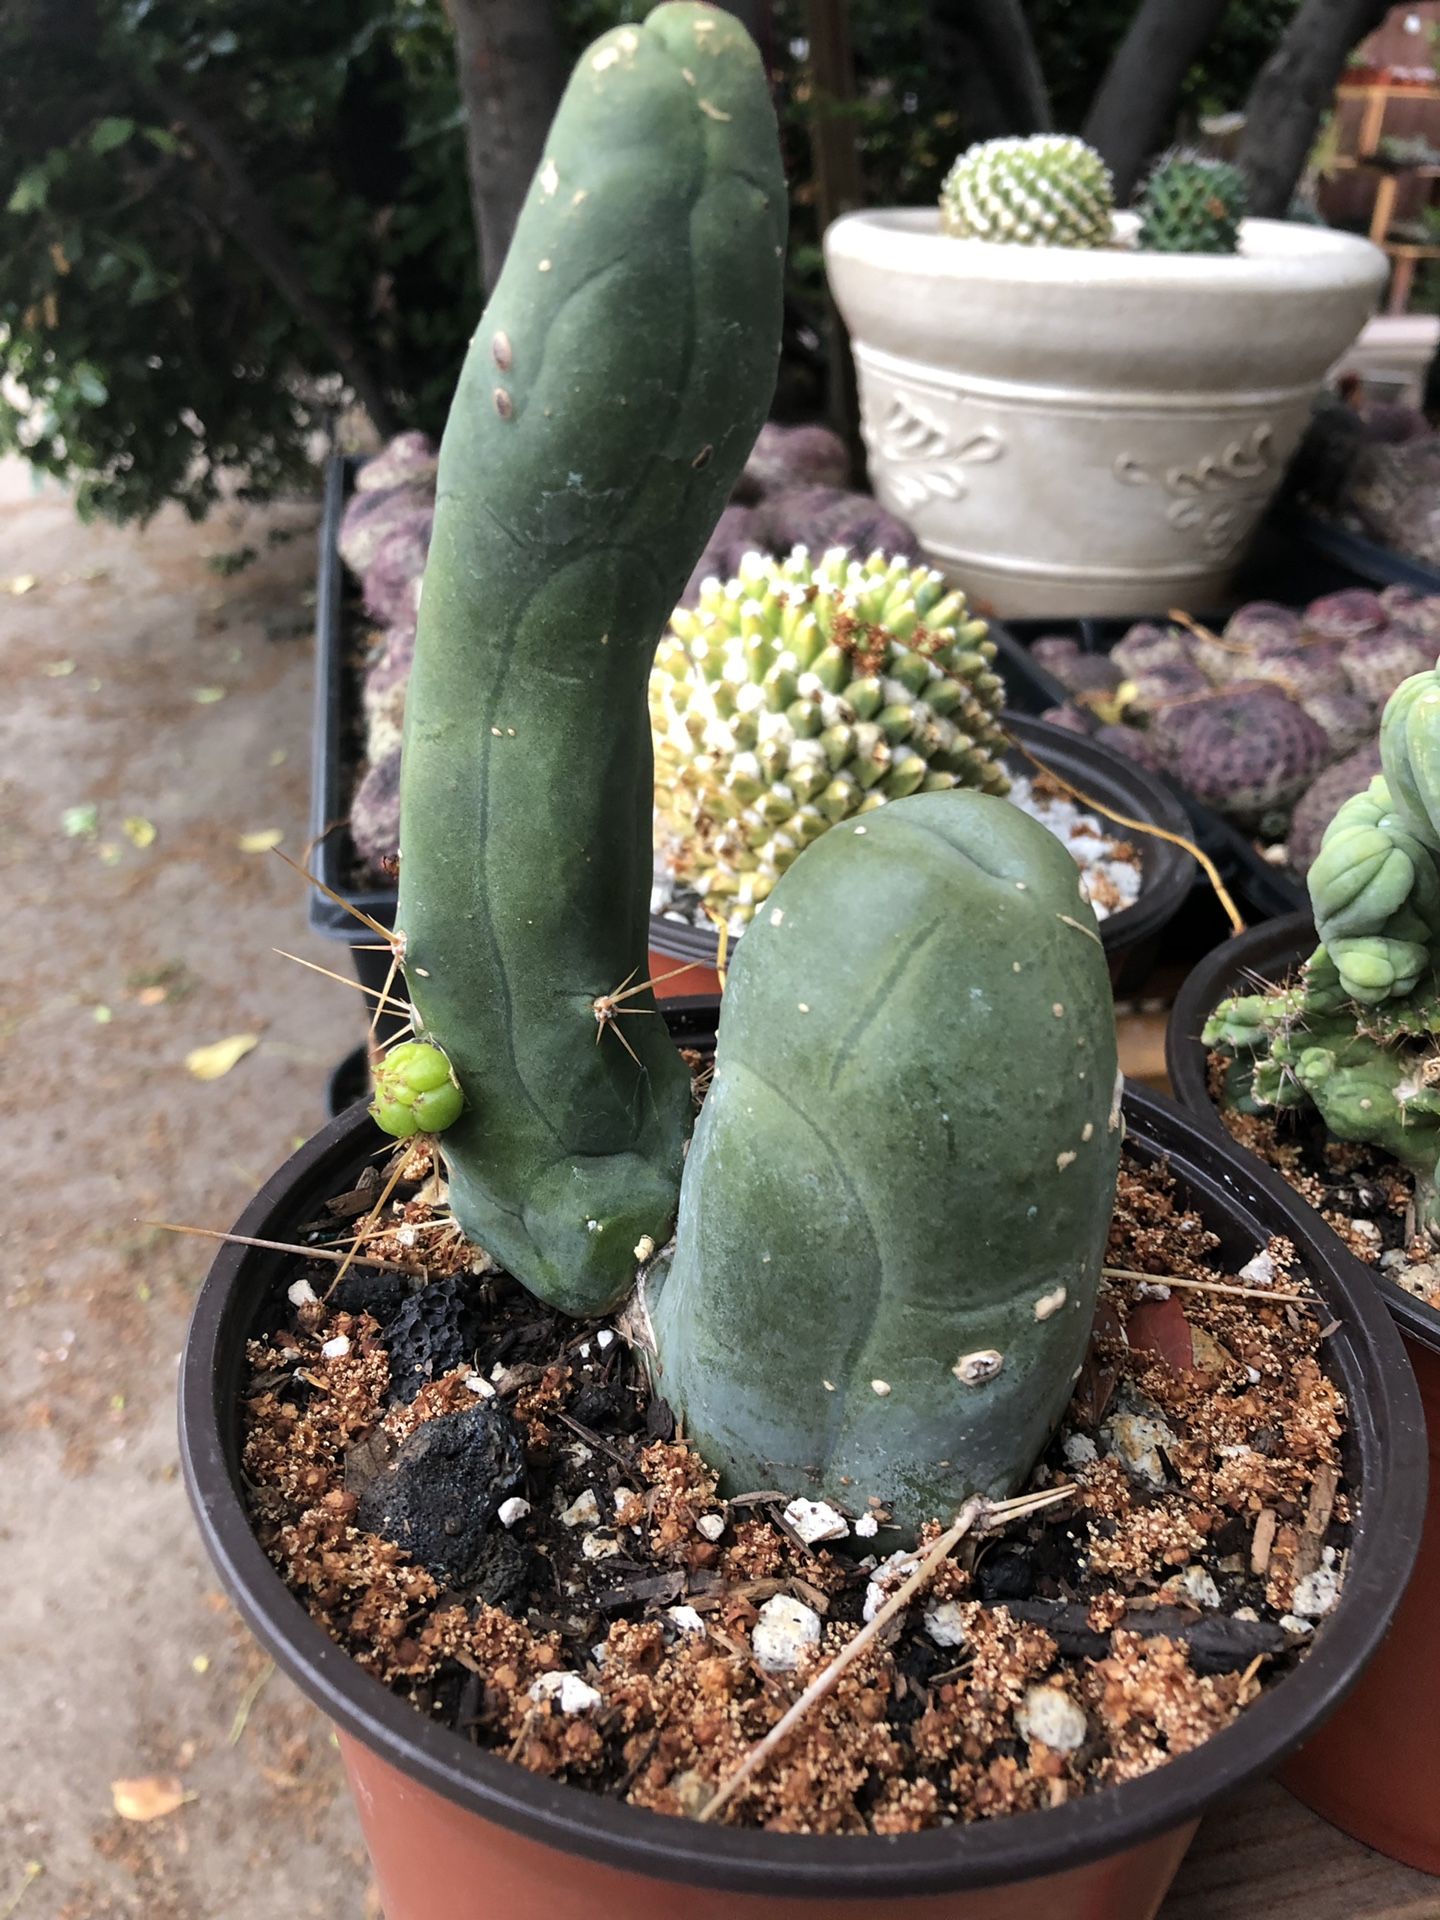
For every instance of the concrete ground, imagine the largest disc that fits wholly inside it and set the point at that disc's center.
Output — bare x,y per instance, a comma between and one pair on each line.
143,684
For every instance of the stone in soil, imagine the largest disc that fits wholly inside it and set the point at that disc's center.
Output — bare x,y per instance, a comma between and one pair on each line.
440,1495
430,1334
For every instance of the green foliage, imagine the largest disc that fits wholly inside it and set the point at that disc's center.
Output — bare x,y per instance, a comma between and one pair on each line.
1192,204
147,347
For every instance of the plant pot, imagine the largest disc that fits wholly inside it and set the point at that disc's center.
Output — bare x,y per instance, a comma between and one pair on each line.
1375,1769
1130,937
455,1832
1355,553
1089,431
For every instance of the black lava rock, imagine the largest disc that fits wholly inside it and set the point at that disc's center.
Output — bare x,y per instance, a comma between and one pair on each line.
1005,1574
439,1496
364,1290
432,1333
501,1575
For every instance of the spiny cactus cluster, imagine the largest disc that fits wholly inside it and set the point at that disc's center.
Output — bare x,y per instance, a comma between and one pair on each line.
1355,1036
1192,204
1253,719
1048,190
804,692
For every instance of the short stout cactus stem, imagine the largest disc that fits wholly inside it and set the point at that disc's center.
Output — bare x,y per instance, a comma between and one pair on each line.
1356,1036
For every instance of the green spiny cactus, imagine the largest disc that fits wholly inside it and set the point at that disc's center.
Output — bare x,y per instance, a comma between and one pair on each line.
1047,190
802,693
898,1194
415,1091
1356,1034
1192,204
611,394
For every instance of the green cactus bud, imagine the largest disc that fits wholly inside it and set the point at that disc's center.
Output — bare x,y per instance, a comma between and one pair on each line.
1192,204
611,395
415,1091
890,1232
873,698
1048,190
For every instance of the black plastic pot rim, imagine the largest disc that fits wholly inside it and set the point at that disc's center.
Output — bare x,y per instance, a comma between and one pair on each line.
1387,1436
1168,871
1269,951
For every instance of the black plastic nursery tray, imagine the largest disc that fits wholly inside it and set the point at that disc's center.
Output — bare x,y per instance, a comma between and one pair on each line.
1262,891
1339,550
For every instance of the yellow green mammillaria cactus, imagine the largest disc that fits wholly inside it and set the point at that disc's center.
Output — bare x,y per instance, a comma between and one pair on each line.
802,693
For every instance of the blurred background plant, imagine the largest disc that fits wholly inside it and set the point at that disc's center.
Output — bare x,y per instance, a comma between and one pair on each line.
221,218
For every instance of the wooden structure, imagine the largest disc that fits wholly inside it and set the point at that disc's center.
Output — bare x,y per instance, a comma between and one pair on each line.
1376,97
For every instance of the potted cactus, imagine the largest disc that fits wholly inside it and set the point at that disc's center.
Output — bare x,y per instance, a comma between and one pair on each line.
862,1283
1081,411
1321,1058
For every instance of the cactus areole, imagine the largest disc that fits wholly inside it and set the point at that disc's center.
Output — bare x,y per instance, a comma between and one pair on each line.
611,394
897,1199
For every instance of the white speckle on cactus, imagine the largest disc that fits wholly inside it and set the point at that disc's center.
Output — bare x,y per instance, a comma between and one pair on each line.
606,57
1087,1132
945,1624
544,266
785,1628
1058,1009
829,1385
1050,1303
644,1247
816,1520
776,916
570,1693
1049,1717
804,1008
549,177
1020,886
593,1226
880,1387
1063,1160
974,1369
859,829
710,1526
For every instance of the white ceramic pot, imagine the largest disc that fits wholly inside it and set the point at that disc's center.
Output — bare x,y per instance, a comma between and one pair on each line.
1073,431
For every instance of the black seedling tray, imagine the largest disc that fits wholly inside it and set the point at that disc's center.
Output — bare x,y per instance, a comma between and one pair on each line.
1339,550
1262,891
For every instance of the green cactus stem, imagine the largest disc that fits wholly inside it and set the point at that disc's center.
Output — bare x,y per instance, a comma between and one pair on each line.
415,1091
1047,190
1192,203
805,692
611,394
897,1198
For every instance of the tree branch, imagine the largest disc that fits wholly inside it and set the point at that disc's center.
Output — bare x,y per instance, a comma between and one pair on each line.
1134,106
985,50
1292,90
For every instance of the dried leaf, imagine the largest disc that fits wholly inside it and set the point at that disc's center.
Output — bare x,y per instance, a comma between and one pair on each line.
23,582
1160,1327
109,853
207,696
152,996
81,822
58,669
101,1015
261,841
138,831
278,756
208,1063
149,1798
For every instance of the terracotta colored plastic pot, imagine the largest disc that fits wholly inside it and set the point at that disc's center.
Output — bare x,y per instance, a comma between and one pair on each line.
458,1834
1130,937
1375,1768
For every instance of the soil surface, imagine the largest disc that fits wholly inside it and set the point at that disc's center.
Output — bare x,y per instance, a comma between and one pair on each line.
153,1681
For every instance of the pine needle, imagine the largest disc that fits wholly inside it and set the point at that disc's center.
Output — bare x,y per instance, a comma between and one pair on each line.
1209,1286
281,1246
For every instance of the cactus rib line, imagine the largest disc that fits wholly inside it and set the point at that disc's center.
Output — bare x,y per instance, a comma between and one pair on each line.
872,1007
835,1403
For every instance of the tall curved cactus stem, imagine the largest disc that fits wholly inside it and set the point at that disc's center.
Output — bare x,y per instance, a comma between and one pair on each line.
610,396
896,1202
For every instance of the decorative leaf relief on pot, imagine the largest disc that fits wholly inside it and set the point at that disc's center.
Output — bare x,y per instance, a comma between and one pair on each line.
924,462
1217,496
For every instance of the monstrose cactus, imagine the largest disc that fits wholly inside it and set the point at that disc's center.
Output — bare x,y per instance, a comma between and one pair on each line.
801,693
1192,204
1047,190
894,1208
1356,1035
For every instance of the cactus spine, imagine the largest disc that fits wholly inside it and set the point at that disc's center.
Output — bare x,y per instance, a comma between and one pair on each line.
898,1194
1356,1035
801,693
1048,190
608,402
1192,204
